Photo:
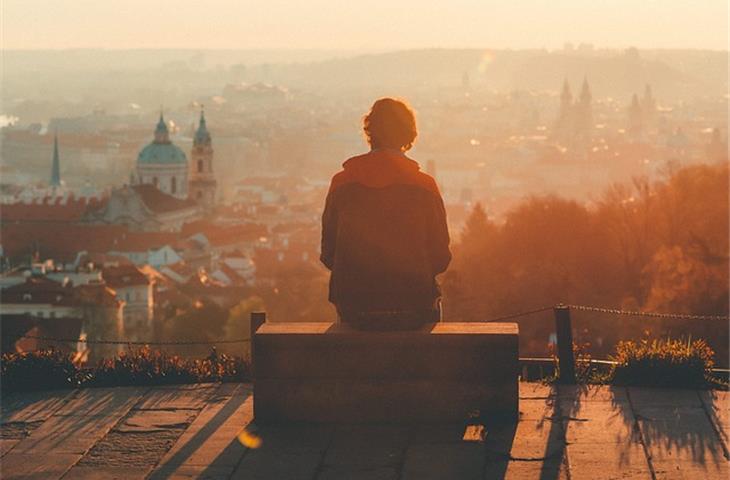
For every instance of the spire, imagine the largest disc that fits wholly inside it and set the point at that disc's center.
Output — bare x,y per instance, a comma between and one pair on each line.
56,167
648,102
585,92
162,134
566,96
202,136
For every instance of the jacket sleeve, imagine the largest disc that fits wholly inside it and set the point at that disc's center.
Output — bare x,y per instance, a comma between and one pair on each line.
329,231
439,252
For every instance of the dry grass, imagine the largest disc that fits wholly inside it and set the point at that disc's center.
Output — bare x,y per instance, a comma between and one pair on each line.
48,369
663,362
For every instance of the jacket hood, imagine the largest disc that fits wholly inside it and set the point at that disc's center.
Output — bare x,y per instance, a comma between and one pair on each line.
381,168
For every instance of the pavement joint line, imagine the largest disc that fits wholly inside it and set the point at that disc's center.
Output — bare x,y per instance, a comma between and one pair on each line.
715,427
637,428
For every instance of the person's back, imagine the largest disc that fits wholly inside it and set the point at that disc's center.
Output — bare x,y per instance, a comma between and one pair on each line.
384,233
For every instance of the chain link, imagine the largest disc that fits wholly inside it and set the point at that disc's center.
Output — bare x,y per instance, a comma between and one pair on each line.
521,314
677,316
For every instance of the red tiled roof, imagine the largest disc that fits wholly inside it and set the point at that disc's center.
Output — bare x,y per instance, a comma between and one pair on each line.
143,241
123,276
60,242
37,290
236,234
160,202
48,210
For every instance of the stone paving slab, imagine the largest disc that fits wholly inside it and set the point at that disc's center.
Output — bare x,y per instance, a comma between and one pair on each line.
192,397
40,466
106,473
72,434
151,421
32,406
266,465
600,423
682,442
663,397
192,472
6,445
536,391
365,473
102,402
591,393
367,446
463,461
547,470
296,438
597,462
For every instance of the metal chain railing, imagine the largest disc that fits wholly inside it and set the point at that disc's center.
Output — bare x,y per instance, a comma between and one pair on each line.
587,308
130,342
677,316
520,314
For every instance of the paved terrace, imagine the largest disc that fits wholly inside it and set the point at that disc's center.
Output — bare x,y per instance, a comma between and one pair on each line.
191,431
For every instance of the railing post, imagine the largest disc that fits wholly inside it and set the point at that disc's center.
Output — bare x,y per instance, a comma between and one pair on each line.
564,330
257,319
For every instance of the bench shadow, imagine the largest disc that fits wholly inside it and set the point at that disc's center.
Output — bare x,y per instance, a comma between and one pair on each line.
679,429
222,463
685,429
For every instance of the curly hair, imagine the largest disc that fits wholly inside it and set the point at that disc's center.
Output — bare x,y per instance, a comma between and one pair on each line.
390,123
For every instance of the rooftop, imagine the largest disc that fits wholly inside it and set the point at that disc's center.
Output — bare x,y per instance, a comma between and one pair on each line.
195,431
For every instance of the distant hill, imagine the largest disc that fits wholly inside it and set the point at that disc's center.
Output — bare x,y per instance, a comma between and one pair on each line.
674,73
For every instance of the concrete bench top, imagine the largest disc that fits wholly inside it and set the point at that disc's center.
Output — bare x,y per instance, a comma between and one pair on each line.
451,328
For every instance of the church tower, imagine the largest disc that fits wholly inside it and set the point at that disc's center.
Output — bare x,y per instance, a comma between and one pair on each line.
56,166
202,180
584,112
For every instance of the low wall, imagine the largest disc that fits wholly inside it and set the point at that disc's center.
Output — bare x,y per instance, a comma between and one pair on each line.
324,372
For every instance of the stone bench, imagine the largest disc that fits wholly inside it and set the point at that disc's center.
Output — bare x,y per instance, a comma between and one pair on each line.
325,372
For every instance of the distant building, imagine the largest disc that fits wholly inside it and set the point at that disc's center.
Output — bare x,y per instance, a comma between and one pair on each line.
145,208
574,124
636,118
648,106
136,291
163,164
88,311
203,184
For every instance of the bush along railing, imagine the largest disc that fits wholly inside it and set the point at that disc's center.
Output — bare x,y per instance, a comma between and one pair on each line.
648,362
49,369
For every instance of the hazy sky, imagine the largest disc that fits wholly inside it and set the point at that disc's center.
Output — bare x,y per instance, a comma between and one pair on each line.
378,24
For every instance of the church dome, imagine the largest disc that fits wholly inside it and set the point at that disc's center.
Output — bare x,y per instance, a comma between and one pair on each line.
161,150
165,153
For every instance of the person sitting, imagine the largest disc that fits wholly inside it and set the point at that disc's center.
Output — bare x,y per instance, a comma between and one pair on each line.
384,231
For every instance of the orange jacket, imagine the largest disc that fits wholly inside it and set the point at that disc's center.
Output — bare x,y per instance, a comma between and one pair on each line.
384,234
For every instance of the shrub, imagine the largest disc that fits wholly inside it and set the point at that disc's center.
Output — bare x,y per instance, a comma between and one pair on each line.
41,370
667,363
48,369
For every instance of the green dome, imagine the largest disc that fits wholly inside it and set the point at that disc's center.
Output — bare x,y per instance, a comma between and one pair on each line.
165,153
